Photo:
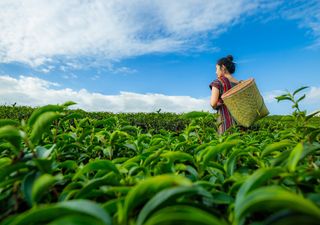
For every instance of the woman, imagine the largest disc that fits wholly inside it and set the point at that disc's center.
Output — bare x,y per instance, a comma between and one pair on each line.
225,67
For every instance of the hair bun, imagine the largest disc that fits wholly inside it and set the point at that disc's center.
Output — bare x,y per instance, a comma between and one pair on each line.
230,57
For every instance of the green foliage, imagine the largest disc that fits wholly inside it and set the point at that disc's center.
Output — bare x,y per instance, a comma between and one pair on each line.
72,167
53,212
11,135
275,197
183,214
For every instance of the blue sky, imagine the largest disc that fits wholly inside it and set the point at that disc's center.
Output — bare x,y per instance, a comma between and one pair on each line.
130,56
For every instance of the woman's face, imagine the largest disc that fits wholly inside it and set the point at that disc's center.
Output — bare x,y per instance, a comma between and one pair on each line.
219,71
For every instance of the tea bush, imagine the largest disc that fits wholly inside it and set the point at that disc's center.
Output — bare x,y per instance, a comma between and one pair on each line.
60,166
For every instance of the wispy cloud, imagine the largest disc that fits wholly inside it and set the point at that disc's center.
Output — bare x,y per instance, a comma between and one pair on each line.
37,32
307,13
120,70
34,91
69,76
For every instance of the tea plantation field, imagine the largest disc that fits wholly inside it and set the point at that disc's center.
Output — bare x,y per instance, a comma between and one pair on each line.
60,166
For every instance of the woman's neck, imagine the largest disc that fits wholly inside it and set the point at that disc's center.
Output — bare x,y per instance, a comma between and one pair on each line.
231,78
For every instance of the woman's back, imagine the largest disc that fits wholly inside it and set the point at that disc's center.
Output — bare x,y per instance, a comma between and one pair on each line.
223,84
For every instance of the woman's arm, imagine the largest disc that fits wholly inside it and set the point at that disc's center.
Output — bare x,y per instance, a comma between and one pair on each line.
214,97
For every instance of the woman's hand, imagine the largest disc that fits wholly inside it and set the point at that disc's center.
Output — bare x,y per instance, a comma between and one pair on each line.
218,105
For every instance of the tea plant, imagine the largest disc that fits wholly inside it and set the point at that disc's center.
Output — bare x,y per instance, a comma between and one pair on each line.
60,167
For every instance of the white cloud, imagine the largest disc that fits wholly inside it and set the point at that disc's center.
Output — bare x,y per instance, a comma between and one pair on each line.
313,96
40,31
34,91
269,97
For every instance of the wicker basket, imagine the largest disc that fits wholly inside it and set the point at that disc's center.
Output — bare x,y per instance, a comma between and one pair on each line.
245,103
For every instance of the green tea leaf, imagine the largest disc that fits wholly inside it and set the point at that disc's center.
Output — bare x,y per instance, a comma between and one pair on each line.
109,179
68,103
6,122
26,186
111,206
41,186
165,196
147,188
277,146
46,213
96,165
182,214
299,89
12,169
230,164
283,97
194,115
48,108
12,135
301,98
255,180
295,157
44,165
177,156
274,197
212,151
76,220
42,124
116,135
43,152
286,217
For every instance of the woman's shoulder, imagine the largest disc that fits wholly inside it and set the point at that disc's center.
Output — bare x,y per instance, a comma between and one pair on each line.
216,83
229,82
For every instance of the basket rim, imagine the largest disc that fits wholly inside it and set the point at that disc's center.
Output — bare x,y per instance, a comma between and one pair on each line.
238,88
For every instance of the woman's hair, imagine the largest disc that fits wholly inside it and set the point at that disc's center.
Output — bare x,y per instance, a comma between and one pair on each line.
228,63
